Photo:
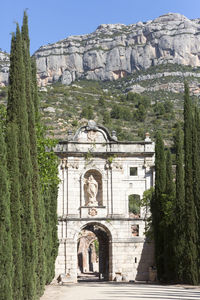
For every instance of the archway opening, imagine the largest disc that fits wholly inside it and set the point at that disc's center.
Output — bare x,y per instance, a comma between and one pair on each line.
93,250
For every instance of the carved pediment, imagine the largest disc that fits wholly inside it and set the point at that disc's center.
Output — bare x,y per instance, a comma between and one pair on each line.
93,133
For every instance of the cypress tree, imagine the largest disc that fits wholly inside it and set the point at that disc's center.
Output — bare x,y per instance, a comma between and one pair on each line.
190,257
170,187
48,169
168,225
179,208
196,177
157,204
37,198
13,84
13,170
17,110
6,271
35,92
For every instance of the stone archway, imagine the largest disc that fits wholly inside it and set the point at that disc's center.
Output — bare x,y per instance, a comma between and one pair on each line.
90,233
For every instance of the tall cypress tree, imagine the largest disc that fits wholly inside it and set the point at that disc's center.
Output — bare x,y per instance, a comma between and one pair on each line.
168,222
13,170
157,204
190,257
17,109
37,198
6,271
170,187
179,208
35,92
196,177
48,167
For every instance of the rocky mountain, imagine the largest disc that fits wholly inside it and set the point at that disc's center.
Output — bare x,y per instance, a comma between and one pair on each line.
150,60
114,51
4,68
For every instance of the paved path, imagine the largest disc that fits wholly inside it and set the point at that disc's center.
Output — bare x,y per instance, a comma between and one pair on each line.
119,291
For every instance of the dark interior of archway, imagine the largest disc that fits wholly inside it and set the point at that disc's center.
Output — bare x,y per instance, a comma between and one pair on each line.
103,254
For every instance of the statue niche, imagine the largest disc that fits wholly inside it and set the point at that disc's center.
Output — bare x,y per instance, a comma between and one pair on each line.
93,188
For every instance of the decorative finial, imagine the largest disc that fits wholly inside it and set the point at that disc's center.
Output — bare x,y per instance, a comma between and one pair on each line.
91,125
147,137
70,134
114,134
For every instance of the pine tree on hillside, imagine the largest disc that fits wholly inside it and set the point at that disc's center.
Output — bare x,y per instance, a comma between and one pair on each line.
157,204
179,207
6,271
37,198
16,110
190,257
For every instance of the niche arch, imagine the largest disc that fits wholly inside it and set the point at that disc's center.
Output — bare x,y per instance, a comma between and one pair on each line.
97,175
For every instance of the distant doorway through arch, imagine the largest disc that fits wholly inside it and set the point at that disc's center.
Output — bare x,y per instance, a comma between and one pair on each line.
94,253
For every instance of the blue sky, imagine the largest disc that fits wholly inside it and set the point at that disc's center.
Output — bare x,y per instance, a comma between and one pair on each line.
53,20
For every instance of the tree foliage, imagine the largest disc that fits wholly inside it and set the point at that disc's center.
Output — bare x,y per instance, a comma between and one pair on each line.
6,269
32,177
175,210
190,258
157,204
179,207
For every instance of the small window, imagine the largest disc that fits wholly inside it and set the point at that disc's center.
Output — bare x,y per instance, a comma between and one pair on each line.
133,171
135,230
134,206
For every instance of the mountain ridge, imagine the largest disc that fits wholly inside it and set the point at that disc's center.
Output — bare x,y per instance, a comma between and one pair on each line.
114,51
140,100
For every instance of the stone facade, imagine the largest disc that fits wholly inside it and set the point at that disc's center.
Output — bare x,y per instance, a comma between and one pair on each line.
119,169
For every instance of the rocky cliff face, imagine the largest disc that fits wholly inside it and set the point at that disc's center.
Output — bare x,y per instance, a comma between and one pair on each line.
113,51
4,68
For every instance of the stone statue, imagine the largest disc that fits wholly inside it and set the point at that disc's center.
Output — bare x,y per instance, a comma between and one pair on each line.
91,187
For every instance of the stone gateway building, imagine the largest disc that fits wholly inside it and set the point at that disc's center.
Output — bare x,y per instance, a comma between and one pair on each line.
102,182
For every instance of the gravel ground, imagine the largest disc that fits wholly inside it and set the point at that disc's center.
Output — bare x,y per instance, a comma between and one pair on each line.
120,291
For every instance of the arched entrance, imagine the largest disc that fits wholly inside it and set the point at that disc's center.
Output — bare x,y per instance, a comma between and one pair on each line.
94,252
